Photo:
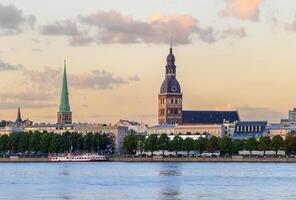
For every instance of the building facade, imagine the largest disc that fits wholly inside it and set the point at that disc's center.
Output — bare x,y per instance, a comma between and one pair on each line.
197,130
292,115
64,114
250,129
139,127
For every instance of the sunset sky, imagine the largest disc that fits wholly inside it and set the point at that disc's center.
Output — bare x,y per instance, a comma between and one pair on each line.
230,54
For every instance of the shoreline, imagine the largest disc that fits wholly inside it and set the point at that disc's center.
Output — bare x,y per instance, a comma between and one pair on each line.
234,159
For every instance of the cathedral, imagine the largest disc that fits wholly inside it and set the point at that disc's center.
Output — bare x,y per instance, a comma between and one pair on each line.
170,103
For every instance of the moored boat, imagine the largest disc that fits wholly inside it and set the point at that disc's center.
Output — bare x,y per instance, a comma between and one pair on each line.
85,157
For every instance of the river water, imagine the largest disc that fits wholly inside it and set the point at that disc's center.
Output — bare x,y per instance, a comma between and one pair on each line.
213,181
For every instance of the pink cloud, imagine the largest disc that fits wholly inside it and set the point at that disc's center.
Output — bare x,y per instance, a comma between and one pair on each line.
242,9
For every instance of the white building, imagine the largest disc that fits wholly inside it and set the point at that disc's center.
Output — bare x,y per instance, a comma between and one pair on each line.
217,130
139,127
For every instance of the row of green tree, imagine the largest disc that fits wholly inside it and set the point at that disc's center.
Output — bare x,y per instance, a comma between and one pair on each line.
226,145
54,143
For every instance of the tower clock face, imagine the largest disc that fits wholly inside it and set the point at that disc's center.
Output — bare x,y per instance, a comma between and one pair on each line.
174,89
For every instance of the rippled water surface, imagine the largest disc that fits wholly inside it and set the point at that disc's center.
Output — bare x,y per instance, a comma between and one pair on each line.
148,181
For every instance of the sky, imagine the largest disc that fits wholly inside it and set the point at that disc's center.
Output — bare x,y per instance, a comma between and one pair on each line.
230,55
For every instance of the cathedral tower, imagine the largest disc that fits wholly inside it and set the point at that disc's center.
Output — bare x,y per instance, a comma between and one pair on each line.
65,114
170,96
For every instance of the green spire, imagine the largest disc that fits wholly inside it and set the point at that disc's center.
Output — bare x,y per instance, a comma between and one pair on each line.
65,105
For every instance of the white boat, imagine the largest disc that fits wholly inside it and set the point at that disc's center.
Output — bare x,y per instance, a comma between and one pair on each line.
85,157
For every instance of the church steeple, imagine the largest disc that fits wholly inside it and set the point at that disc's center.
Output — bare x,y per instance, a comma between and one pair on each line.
19,117
65,105
170,96
170,66
65,114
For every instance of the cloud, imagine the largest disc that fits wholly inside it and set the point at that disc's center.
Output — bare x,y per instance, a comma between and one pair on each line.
47,77
50,77
8,67
80,40
65,27
134,78
36,49
96,80
242,9
236,32
114,27
13,21
260,113
36,89
291,26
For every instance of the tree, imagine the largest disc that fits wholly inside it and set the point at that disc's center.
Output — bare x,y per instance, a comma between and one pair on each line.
226,145
88,142
23,142
141,143
264,143
251,145
290,144
238,145
34,142
45,142
188,145
130,143
4,144
277,143
176,144
151,143
201,144
213,144
163,142
13,141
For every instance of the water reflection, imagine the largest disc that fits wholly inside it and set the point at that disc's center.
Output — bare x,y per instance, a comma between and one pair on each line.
170,187
64,171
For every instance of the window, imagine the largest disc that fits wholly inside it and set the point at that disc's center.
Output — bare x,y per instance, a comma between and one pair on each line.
176,111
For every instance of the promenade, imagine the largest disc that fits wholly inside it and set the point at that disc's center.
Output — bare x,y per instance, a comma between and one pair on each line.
167,159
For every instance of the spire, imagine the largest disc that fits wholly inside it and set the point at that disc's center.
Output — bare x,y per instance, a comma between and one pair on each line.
19,118
65,105
171,45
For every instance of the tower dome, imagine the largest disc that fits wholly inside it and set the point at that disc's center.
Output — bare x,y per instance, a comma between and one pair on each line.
170,85
171,58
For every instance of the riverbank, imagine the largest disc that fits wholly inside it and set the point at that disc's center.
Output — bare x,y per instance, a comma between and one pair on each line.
23,160
205,159
160,159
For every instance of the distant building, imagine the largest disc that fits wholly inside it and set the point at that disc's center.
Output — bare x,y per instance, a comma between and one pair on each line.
65,114
116,132
15,126
170,103
198,130
277,129
209,117
139,127
249,129
292,115
168,129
